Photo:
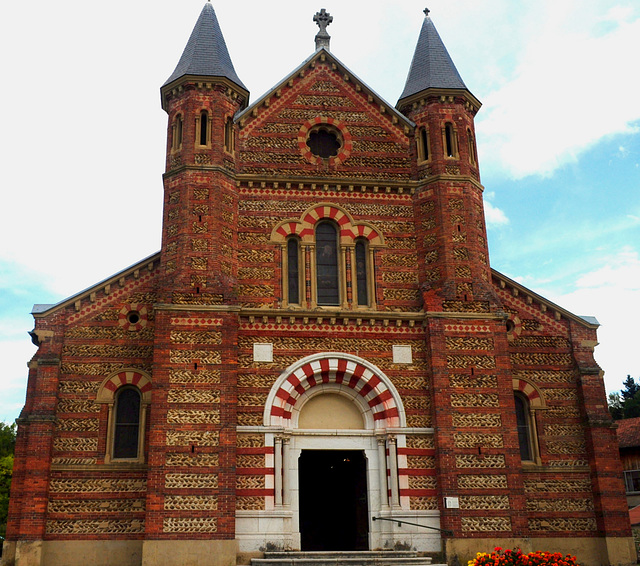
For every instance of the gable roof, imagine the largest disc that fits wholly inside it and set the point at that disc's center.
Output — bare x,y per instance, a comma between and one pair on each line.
206,53
628,433
432,66
518,289
148,263
324,54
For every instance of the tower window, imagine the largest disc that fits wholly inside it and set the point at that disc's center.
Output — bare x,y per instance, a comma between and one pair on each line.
362,279
525,433
450,140
324,142
473,159
228,135
328,290
293,271
177,133
204,127
127,424
423,144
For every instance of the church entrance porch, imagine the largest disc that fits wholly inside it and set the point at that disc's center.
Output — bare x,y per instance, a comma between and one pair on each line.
333,500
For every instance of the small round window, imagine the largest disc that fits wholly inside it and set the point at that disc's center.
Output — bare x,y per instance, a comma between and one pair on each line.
133,317
324,141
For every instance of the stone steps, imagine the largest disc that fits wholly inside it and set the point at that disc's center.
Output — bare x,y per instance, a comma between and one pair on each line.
351,558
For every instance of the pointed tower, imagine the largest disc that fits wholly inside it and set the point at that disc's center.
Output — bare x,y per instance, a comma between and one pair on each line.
466,332
192,453
453,235
201,98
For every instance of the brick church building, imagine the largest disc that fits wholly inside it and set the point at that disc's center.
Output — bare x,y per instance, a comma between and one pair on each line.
320,357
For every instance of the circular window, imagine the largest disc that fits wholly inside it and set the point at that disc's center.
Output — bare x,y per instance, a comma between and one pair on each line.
133,317
324,141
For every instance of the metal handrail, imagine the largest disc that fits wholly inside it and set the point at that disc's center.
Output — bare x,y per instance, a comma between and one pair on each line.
400,523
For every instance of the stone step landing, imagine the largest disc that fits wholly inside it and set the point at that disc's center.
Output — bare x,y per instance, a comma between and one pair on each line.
352,558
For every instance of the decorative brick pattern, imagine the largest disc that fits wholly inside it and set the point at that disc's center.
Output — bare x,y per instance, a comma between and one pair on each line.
193,396
472,439
486,461
482,482
478,380
485,524
196,438
484,502
559,505
191,502
96,505
557,486
474,400
75,444
193,416
562,524
190,525
465,420
191,481
423,503
97,485
245,503
100,526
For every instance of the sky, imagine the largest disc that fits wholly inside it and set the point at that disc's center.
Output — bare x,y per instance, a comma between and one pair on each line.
83,139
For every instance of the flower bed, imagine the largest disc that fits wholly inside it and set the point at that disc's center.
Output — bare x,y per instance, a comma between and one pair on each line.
517,558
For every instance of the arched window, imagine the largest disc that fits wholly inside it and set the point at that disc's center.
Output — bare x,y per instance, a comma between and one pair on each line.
177,132
362,273
423,144
228,135
126,426
328,288
204,128
525,429
293,271
450,140
473,159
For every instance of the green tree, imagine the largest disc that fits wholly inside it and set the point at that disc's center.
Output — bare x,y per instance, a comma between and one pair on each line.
625,404
7,446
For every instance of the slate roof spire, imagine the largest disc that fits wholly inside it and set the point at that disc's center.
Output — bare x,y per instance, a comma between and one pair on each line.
432,66
206,52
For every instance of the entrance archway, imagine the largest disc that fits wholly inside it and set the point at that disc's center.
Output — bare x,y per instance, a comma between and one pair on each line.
331,414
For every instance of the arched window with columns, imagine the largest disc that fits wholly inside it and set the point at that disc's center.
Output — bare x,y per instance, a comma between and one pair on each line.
127,394
336,258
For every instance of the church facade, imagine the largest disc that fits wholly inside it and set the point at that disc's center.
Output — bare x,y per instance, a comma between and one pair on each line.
320,357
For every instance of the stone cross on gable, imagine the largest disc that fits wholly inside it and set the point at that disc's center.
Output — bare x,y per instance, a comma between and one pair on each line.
323,19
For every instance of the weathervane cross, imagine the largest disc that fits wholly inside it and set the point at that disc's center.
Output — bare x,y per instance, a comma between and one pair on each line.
323,19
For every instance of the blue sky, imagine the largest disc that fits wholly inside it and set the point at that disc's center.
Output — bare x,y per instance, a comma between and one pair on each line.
559,139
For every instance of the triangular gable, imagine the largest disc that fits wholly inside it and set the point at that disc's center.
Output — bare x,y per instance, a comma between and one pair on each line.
109,288
321,55
374,137
545,306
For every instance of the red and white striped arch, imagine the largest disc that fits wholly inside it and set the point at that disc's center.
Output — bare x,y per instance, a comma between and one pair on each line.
111,384
366,383
304,227
530,391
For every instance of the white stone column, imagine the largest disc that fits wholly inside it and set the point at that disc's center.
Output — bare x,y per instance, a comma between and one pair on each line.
286,471
393,467
277,447
382,465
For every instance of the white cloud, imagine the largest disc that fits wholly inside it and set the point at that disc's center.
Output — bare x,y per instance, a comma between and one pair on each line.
494,216
549,111
611,293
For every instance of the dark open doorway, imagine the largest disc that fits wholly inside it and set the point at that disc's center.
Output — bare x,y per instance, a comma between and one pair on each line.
333,500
